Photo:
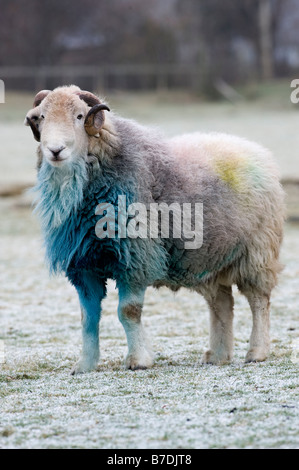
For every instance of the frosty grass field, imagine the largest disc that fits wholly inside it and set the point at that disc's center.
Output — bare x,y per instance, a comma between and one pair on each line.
178,403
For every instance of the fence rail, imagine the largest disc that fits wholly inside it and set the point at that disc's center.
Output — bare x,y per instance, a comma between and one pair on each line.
144,76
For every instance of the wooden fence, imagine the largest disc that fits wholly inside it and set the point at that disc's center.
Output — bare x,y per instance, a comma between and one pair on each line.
123,77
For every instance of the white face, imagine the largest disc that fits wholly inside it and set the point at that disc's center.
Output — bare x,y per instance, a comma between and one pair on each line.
60,122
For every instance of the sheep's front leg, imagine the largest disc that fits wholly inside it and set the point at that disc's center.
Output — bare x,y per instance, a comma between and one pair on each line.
221,305
129,312
91,291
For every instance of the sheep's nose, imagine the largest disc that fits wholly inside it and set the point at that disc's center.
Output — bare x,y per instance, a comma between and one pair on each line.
56,151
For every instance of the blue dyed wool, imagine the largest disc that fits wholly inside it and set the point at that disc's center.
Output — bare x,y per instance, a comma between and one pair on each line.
66,204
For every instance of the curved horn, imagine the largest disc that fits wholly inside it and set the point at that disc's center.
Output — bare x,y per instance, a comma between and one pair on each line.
96,109
40,96
95,118
89,98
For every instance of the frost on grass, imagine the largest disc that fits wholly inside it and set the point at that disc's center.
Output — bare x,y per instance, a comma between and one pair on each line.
176,404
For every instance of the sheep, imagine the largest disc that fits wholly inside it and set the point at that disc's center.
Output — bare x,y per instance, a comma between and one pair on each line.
89,157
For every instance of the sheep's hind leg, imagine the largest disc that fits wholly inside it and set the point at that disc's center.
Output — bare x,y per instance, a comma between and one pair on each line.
221,304
129,312
259,345
91,292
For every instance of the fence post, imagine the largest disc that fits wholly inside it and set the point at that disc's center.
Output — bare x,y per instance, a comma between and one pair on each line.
40,81
2,92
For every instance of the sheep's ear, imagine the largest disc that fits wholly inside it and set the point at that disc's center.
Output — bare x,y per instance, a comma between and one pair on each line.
32,118
95,119
32,121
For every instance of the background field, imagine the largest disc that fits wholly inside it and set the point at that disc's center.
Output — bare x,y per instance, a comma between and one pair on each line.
179,403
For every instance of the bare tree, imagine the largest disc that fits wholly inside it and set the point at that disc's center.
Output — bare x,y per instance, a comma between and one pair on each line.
30,29
211,34
266,38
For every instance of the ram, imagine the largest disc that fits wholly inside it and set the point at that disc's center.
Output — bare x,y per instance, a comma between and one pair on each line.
90,160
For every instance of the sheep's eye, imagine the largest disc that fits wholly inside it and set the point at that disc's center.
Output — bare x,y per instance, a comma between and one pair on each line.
80,116
42,116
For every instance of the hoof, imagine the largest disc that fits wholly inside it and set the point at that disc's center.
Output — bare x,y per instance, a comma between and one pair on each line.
82,367
142,360
210,357
256,355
